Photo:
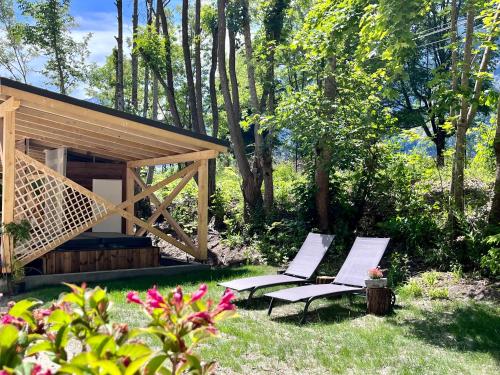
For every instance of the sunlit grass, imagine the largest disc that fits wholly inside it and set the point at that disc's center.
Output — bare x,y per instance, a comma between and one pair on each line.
422,336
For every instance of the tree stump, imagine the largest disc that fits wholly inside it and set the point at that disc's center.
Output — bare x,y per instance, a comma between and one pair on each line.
379,300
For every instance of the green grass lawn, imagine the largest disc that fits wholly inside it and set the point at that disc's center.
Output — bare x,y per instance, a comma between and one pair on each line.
420,337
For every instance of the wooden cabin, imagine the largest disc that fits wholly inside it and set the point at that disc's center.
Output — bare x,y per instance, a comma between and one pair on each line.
71,168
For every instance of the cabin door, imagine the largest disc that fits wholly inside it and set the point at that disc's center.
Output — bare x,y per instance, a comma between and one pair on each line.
110,190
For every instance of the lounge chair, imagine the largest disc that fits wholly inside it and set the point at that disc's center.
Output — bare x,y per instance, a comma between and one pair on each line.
365,254
299,271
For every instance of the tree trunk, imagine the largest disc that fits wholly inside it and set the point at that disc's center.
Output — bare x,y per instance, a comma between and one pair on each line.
197,66
169,83
232,74
459,161
215,113
440,142
135,60
494,218
322,181
251,192
119,95
188,67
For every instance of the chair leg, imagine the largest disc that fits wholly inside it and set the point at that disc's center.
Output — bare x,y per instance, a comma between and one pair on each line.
304,313
270,307
251,295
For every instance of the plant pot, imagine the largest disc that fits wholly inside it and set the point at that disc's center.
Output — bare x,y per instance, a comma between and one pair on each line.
376,283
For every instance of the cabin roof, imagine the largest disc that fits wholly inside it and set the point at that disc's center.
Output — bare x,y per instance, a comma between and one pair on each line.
52,120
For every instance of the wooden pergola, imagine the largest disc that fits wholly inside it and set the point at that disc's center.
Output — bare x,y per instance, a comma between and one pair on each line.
34,119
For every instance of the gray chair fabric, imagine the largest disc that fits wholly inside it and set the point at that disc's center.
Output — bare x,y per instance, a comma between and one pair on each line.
310,255
300,269
365,253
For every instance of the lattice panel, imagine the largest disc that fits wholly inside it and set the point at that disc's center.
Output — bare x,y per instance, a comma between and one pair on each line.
57,209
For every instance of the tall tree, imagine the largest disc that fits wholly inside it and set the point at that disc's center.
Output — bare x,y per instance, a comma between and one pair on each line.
50,33
469,103
188,67
197,66
15,56
118,54
135,60
251,191
209,20
494,217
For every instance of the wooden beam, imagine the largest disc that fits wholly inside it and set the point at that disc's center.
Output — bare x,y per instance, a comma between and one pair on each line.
168,200
156,202
202,209
159,185
36,126
9,105
129,193
77,112
8,182
97,148
192,156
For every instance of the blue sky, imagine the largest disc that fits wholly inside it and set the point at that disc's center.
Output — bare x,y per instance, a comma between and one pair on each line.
97,17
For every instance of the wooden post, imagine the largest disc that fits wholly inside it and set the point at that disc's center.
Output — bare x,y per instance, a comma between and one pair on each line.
129,193
8,182
202,209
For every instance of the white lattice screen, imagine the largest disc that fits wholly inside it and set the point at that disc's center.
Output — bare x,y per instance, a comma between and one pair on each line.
57,208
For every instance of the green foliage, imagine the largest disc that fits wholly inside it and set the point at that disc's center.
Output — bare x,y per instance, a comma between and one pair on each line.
49,33
430,278
399,269
438,293
19,232
180,322
412,289
490,262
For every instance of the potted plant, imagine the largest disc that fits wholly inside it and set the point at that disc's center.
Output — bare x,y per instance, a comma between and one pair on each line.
17,232
376,278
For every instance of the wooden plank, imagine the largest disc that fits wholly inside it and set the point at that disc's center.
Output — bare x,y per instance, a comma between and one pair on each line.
84,261
77,112
156,202
143,194
168,200
129,194
8,182
92,135
174,159
36,129
128,139
67,261
202,209
10,105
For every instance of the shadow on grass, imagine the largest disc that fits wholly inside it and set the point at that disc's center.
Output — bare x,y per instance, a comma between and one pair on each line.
470,328
334,310
146,282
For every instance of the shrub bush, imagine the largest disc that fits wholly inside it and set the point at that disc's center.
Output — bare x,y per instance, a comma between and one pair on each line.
180,322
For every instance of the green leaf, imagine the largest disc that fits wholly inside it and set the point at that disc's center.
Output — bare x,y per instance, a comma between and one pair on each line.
41,346
154,363
23,306
8,336
106,367
133,351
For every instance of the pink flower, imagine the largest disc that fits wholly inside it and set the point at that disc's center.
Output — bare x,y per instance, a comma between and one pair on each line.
375,273
200,318
178,295
227,297
38,370
7,319
225,307
3,372
154,298
133,297
199,293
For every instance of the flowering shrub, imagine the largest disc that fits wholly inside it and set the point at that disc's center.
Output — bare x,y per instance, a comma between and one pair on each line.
75,336
375,273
